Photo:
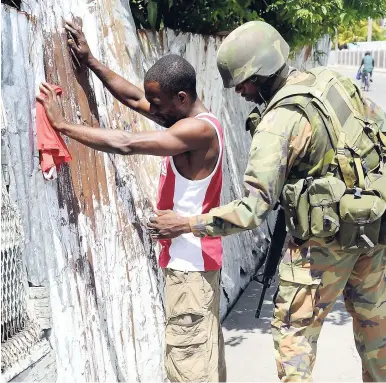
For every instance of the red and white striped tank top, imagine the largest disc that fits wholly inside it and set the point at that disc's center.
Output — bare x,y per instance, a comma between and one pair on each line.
187,198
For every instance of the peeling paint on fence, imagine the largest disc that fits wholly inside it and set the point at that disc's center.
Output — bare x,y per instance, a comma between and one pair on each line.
313,55
84,234
84,237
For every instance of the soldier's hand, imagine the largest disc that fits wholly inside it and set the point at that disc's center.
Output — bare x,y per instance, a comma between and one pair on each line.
167,225
77,41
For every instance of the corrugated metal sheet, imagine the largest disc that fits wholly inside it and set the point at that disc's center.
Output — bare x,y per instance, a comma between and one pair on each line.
84,236
313,55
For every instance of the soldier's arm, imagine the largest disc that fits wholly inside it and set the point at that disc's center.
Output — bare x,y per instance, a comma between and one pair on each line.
280,140
282,136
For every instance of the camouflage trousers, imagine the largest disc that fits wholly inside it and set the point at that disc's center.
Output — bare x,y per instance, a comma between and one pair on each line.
312,277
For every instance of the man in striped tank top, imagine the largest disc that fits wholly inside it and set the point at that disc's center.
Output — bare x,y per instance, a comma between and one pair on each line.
190,184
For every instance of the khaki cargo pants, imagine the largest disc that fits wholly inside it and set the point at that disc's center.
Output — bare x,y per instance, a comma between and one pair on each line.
312,277
194,341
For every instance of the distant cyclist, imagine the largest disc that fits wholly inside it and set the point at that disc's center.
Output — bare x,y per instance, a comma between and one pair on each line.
368,66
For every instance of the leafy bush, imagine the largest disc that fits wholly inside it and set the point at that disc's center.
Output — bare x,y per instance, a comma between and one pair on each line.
301,22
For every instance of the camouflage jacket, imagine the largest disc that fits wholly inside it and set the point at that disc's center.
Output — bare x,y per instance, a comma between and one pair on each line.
285,147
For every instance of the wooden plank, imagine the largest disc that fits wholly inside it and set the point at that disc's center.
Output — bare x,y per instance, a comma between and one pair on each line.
38,292
44,370
38,351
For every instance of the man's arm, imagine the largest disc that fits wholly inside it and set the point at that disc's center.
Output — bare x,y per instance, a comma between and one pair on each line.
186,135
280,140
123,90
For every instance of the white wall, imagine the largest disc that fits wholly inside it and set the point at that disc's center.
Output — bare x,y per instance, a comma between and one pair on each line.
353,58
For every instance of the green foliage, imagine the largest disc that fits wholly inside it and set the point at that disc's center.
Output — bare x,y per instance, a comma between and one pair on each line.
306,20
199,16
301,22
358,32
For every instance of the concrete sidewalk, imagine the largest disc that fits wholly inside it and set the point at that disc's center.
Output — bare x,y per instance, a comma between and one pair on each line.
249,345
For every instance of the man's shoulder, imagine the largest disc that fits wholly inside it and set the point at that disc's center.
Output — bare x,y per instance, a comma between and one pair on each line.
209,118
199,119
203,129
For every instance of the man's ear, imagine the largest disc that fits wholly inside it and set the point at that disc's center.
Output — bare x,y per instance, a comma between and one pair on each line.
183,97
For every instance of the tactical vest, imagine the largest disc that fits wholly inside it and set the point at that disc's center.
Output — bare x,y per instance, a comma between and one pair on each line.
342,190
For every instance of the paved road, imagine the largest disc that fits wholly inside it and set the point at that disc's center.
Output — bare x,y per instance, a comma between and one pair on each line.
249,345
250,352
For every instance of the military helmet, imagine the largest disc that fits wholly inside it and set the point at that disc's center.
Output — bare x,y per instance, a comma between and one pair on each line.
254,48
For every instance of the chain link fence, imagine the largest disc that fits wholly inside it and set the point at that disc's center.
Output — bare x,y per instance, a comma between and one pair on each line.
18,332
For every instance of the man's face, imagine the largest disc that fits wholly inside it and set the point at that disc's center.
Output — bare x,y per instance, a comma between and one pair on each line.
250,90
163,105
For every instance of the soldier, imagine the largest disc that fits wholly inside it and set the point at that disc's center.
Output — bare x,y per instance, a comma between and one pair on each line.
318,146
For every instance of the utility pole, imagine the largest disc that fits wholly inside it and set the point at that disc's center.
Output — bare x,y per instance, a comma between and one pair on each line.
369,29
336,39
336,47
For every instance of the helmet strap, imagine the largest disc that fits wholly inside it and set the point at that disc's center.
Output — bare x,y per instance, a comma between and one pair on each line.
280,76
273,83
263,99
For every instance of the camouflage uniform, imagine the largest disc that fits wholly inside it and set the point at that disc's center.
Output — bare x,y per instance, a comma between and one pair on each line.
285,146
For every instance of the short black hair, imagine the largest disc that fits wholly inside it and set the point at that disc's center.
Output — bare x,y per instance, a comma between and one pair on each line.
174,74
367,53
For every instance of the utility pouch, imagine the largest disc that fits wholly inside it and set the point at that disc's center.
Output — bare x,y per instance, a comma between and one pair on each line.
296,208
377,181
382,230
324,195
360,219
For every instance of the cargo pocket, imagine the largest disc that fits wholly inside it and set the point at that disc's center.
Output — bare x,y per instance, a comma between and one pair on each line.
325,194
186,338
296,297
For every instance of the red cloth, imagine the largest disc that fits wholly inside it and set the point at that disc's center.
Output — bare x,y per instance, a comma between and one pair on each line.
53,151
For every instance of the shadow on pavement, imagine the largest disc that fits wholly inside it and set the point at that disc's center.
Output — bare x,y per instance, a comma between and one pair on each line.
242,316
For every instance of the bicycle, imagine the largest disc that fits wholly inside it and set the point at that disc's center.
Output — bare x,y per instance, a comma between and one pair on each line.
365,81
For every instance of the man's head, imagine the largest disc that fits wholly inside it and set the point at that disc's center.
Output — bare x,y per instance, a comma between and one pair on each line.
251,58
368,53
170,87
